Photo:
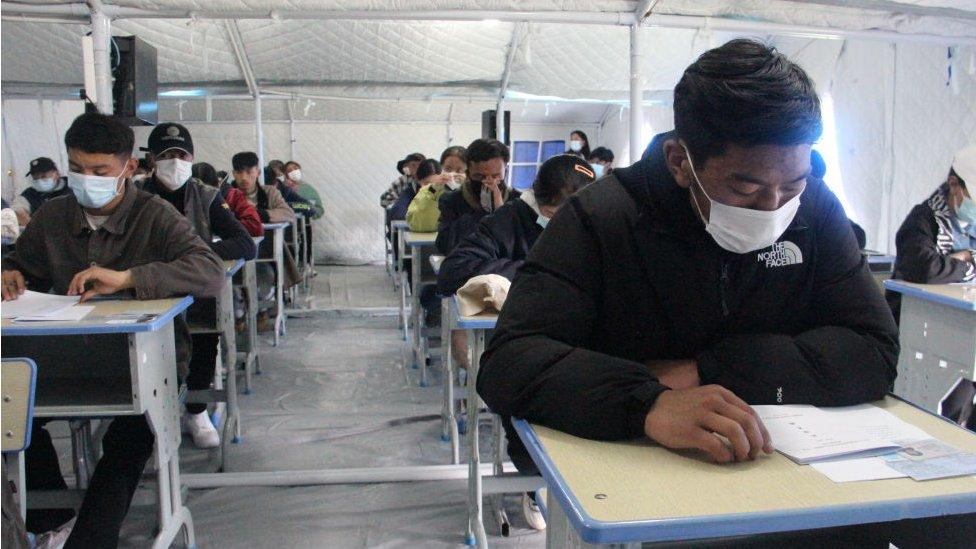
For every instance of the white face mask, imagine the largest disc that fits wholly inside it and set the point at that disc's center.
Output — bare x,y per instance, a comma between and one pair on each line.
138,177
455,182
173,172
487,203
741,230
94,191
295,175
597,170
576,145
44,185
280,177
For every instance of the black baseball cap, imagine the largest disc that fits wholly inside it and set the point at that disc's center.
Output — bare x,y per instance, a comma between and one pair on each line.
169,135
413,157
41,164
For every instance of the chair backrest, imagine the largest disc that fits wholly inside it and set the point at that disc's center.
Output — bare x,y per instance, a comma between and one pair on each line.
18,379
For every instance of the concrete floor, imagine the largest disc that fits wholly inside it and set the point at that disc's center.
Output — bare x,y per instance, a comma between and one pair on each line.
332,373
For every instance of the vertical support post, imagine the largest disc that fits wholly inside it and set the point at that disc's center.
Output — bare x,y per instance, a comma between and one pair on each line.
259,130
636,95
101,38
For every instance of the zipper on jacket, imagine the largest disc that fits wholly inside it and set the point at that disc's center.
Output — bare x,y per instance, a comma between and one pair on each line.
723,282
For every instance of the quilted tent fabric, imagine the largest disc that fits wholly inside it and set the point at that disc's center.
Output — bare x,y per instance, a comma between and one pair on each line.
364,92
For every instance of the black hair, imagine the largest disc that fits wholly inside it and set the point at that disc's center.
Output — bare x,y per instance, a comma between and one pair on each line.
602,154
221,175
560,177
414,157
744,93
457,151
428,168
585,151
144,164
953,173
483,150
244,161
294,163
206,173
94,132
818,166
276,164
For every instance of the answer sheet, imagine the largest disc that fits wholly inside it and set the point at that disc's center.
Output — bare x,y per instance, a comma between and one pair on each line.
36,303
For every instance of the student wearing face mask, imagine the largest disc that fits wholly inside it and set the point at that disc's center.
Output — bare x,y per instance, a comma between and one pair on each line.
424,214
502,240
711,275
107,237
601,160
937,242
482,192
579,144
171,151
45,183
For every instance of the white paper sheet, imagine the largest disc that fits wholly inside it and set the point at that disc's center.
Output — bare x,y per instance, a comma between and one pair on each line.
65,314
36,303
806,433
853,470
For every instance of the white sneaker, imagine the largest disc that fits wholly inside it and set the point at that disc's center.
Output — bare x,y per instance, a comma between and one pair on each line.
204,433
55,539
532,513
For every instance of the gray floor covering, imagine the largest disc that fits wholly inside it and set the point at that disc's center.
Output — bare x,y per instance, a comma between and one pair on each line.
333,373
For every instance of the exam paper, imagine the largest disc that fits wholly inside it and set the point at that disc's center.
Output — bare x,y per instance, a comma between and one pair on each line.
36,303
65,314
807,434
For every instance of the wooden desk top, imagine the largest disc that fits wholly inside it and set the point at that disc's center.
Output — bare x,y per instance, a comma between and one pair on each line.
960,296
638,491
106,319
419,239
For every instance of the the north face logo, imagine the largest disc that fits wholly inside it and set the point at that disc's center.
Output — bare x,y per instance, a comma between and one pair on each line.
781,254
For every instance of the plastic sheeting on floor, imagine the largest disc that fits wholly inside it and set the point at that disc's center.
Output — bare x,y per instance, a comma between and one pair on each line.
331,374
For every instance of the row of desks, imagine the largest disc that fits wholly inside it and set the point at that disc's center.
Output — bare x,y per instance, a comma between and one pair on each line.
133,342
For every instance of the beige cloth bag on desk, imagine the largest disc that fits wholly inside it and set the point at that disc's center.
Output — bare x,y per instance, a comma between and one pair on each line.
483,293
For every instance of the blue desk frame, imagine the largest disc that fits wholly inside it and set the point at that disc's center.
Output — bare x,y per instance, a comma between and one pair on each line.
594,531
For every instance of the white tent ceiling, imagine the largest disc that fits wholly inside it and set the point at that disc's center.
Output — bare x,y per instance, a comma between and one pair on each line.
340,51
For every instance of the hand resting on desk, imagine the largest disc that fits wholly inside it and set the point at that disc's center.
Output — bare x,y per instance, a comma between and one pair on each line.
695,417
100,281
14,285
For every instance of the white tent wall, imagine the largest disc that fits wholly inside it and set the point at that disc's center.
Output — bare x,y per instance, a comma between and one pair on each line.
32,129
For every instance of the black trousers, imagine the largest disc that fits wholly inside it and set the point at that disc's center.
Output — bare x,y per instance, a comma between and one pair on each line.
203,364
127,446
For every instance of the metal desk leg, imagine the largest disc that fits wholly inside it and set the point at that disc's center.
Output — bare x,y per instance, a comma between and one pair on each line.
476,526
417,310
228,359
153,355
449,426
293,291
251,360
279,260
404,287
310,258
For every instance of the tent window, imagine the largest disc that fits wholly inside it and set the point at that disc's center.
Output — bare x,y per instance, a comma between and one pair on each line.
527,156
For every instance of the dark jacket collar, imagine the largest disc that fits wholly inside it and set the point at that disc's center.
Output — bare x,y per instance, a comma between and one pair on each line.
116,221
653,188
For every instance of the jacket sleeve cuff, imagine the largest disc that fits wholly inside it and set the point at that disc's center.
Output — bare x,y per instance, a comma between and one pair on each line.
641,400
141,277
708,367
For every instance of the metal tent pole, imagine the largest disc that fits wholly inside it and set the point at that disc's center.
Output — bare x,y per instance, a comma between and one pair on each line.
636,95
101,37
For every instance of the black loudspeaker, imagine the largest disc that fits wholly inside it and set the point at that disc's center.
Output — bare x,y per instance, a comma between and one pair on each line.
134,94
489,126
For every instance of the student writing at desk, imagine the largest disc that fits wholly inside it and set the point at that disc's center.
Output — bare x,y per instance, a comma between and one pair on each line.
106,237
713,274
171,151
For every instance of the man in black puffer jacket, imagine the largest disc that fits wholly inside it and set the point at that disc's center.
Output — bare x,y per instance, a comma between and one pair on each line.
711,274
501,240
